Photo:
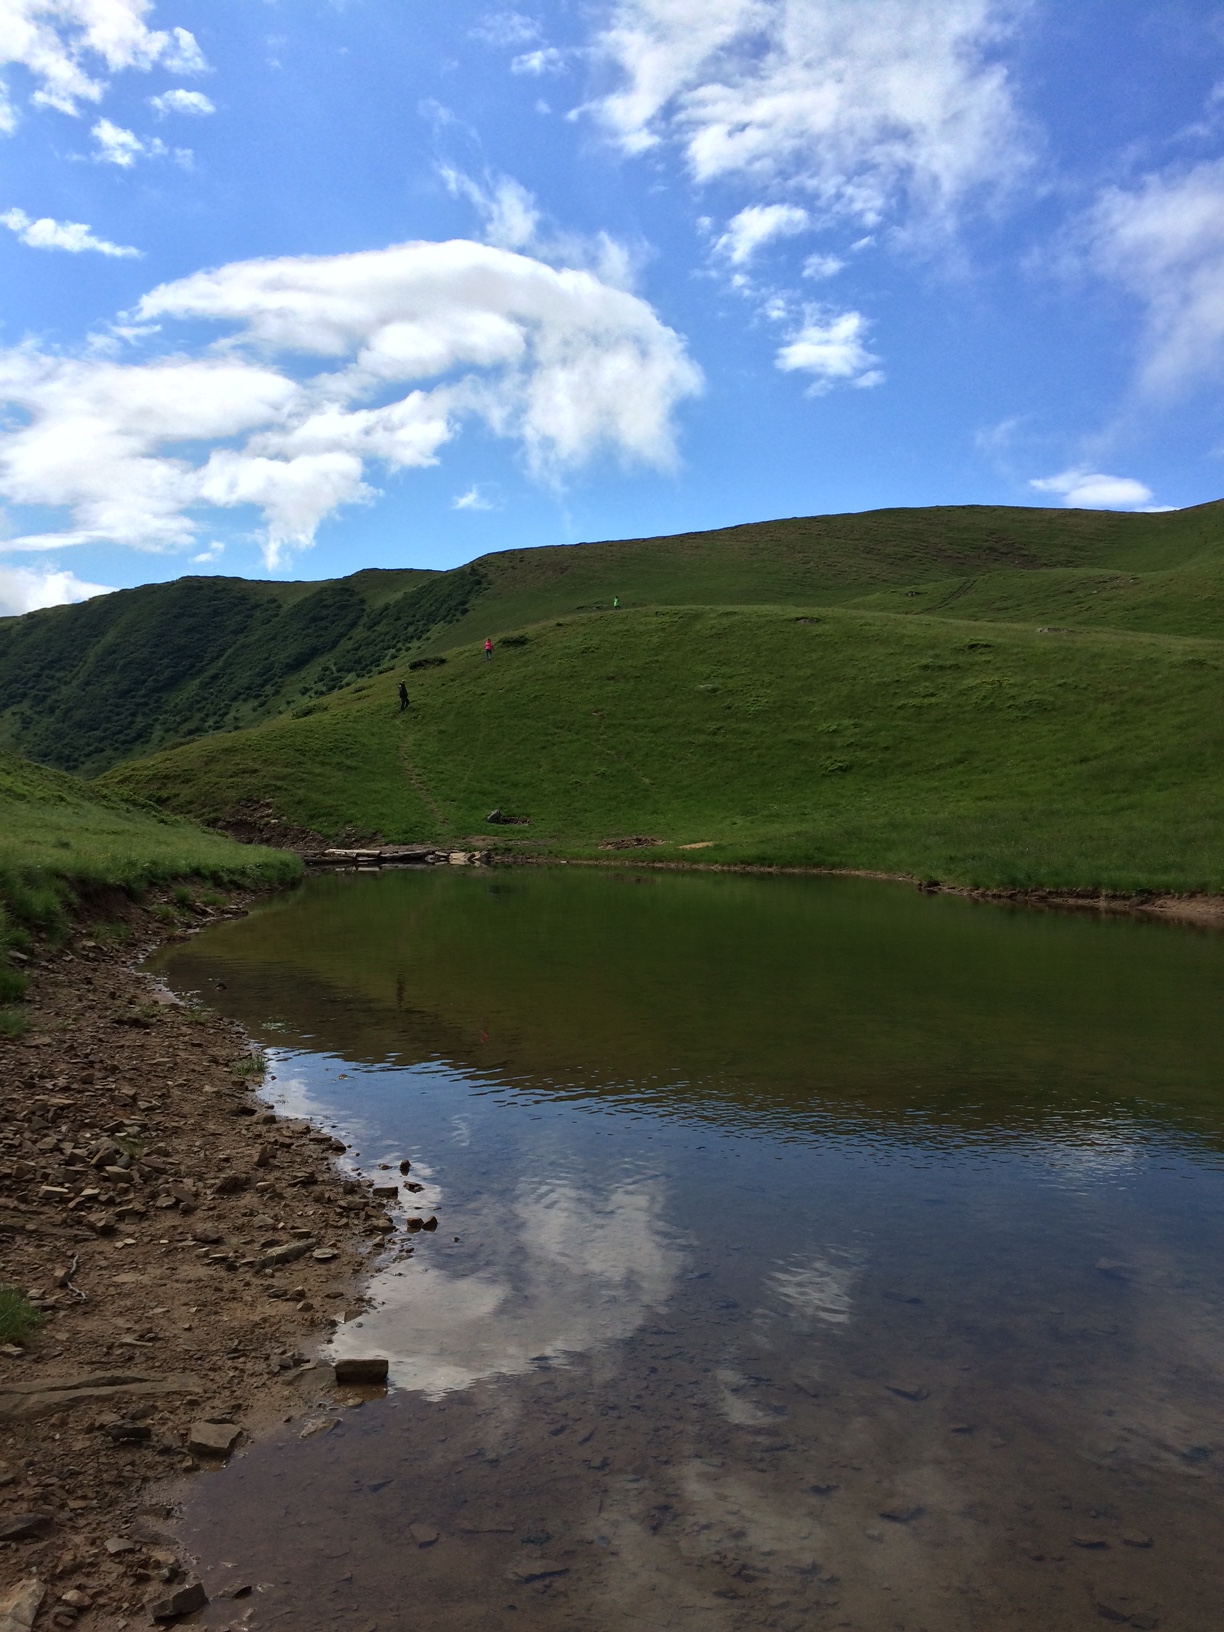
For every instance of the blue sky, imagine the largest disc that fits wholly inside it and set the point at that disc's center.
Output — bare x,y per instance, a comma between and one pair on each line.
295,287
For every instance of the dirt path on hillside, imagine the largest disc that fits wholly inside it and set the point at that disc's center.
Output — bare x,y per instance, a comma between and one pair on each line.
187,1249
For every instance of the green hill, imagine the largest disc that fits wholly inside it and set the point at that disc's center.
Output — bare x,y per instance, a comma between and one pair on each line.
64,842
85,687
985,753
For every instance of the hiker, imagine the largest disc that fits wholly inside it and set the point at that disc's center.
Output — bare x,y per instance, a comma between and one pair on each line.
488,650
615,603
403,696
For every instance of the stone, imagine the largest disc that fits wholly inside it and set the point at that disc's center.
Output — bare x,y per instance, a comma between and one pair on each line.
908,1391
414,1189
1089,1542
370,1369
229,1184
321,1425
213,1438
76,1599
19,1607
117,1545
901,1515
430,1224
24,1526
1108,1612
207,1234
536,1569
183,1600
423,1534
405,1167
1137,1539
385,1192
324,1255
288,1254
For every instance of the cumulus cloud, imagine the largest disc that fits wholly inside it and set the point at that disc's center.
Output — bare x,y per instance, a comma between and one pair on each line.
860,105
418,338
1163,240
24,589
755,226
831,346
180,101
66,46
1092,490
74,236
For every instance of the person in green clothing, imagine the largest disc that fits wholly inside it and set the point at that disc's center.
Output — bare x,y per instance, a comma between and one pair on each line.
615,603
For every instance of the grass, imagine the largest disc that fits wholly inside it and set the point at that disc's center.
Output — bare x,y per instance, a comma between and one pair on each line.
18,1316
974,752
66,844
85,687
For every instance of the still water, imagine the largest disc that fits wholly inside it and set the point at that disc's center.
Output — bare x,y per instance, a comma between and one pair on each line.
811,1254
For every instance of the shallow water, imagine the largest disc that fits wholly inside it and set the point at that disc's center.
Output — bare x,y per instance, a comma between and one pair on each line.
827,1256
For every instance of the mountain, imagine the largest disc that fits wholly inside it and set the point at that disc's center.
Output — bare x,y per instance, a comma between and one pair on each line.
85,687
996,698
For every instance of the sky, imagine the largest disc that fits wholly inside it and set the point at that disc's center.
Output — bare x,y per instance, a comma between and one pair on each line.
289,288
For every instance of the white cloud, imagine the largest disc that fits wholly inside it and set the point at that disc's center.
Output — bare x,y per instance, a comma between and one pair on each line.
546,60
474,499
24,589
822,266
214,552
64,45
1164,241
502,28
861,106
194,103
1092,490
510,213
420,336
831,347
74,236
755,226
124,147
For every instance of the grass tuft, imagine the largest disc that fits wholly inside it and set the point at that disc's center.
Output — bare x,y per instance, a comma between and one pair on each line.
18,1316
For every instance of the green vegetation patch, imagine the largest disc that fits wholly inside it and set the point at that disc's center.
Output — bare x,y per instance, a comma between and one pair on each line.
987,754
18,1316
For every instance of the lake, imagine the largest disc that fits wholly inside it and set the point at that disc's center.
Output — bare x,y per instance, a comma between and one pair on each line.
811,1253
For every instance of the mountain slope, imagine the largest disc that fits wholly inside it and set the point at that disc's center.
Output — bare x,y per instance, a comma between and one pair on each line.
87,686
984,753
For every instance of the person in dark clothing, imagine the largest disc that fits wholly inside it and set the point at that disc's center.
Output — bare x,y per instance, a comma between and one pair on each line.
403,696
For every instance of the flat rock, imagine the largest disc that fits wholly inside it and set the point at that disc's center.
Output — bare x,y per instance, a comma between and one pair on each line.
901,1514
115,1545
22,1526
423,1534
213,1438
536,1569
26,1401
289,1253
182,1600
370,1369
908,1391
19,1606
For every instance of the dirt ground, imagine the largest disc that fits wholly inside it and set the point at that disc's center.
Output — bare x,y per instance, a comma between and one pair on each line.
189,1252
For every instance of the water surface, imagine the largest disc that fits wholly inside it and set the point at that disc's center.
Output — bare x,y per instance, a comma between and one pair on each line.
811,1253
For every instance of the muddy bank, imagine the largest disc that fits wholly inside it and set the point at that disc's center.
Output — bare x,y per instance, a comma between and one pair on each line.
187,1252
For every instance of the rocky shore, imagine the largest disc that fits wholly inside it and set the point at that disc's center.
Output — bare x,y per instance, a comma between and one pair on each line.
181,1251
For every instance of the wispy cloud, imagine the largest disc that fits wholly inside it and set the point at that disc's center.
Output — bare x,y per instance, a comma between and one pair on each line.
757,225
73,236
476,498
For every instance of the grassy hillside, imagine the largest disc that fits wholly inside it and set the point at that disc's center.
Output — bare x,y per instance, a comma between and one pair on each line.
87,686
978,752
62,840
